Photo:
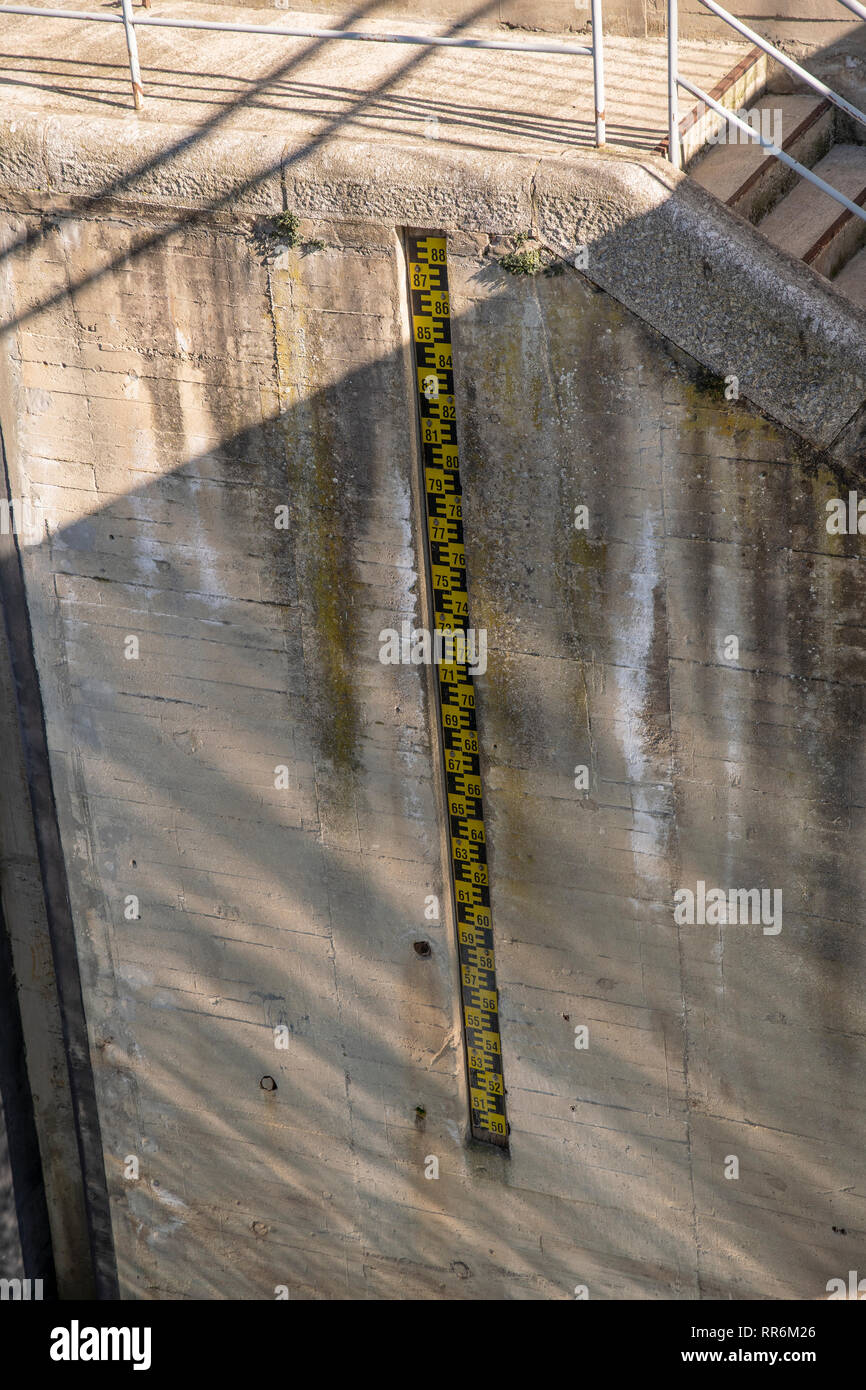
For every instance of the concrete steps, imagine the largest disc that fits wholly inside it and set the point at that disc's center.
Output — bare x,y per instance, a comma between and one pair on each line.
851,279
812,225
741,84
743,175
789,210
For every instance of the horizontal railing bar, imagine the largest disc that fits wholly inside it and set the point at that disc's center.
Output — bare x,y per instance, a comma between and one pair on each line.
774,150
157,22
783,58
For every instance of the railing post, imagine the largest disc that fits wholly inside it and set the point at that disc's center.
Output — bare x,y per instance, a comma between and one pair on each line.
132,46
673,89
598,72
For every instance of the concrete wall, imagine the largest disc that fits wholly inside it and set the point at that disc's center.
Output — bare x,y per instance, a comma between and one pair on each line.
34,1047
167,384
10,1243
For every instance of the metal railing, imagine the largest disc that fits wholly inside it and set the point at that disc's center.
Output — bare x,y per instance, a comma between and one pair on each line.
675,81
131,23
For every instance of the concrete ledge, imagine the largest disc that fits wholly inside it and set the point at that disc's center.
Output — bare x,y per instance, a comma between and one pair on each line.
711,283
657,242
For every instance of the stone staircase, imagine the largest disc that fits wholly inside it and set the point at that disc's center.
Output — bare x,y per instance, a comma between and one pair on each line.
794,214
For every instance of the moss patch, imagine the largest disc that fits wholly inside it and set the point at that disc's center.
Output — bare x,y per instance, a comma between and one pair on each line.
286,226
530,260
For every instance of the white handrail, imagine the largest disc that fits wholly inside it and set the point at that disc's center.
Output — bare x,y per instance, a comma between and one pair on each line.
673,96
132,50
783,58
598,72
131,23
774,150
675,81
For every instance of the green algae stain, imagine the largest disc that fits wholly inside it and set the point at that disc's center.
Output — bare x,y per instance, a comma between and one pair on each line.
330,568
588,555
322,528
586,567
824,486
705,398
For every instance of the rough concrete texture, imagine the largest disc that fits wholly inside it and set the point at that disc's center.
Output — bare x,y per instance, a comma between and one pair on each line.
172,374
386,140
30,960
654,239
312,90
161,408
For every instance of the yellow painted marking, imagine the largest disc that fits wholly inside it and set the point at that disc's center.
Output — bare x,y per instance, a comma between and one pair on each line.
430,302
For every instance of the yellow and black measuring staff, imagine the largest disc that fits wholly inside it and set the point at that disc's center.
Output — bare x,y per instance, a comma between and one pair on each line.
431,333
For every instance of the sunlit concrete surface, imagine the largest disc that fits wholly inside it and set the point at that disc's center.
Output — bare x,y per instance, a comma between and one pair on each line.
521,103
172,373
162,411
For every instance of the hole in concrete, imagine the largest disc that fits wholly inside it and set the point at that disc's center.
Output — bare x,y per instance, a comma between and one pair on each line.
268,1083
422,948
